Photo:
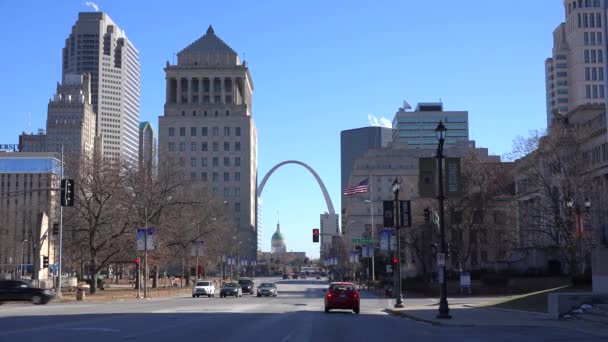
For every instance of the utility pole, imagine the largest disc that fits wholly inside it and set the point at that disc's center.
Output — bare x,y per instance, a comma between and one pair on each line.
59,264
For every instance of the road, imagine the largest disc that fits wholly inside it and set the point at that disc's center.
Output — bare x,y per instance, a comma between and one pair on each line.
295,315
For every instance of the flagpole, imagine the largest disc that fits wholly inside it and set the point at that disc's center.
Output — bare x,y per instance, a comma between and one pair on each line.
371,201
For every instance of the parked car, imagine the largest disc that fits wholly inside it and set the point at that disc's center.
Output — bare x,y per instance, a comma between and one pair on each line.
247,286
285,276
203,288
342,295
267,289
19,290
231,289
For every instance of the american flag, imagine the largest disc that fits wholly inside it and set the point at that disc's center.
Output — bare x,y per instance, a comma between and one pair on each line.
360,188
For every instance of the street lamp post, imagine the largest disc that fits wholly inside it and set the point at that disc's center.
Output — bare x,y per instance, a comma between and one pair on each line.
23,256
444,310
398,296
371,203
145,252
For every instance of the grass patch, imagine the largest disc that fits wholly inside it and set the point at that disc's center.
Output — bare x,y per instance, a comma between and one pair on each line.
534,301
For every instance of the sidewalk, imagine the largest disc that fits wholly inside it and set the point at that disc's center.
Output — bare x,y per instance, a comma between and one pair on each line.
464,315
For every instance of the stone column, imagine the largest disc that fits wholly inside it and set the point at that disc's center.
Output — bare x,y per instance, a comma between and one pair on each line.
200,90
223,90
168,90
178,96
190,82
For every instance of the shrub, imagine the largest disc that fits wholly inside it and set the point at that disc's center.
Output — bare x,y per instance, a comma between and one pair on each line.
495,280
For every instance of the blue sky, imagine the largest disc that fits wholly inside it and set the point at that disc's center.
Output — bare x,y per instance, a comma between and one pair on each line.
318,67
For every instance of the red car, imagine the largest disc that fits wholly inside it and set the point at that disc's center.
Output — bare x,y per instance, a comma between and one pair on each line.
342,296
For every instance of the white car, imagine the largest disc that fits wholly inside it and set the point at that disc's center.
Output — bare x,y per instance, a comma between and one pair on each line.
203,288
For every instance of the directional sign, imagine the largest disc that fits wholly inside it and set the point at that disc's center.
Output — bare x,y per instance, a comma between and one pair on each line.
362,241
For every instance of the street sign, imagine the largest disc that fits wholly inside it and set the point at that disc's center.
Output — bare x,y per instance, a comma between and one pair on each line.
440,259
389,268
362,241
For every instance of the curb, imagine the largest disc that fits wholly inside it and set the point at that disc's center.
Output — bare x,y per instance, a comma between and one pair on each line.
402,313
539,314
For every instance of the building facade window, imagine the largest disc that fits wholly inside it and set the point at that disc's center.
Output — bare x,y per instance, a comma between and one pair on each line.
182,131
216,177
171,147
237,131
171,131
193,162
237,176
226,176
204,131
204,147
226,131
204,161
193,147
193,131
237,146
216,131
216,147
237,161
204,176
182,146
226,161
226,146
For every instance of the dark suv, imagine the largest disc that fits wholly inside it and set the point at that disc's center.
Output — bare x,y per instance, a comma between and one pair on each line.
247,286
19,290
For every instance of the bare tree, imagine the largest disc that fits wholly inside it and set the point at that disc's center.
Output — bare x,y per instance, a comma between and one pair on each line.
97,226
551,171
479,220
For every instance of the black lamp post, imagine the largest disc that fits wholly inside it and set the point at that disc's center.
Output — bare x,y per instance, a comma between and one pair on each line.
570,204
398,297
444,309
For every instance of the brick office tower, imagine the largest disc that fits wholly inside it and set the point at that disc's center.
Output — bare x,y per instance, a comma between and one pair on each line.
208,127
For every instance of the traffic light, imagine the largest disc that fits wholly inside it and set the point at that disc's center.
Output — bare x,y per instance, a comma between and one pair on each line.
395,261
67,192
45,261
137,261
315,235
427,215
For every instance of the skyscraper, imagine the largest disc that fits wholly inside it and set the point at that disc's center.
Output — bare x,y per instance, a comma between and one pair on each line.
417,128
575,74
99,47
70,119
147,146
209,129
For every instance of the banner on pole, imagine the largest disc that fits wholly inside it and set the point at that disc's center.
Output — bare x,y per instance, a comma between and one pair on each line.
197,248
384,239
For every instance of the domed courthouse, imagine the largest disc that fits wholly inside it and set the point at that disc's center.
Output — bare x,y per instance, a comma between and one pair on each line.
278,242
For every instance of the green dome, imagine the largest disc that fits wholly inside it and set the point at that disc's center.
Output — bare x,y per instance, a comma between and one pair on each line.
277,236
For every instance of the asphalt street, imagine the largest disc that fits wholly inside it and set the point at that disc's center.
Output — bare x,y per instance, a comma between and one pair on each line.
296,314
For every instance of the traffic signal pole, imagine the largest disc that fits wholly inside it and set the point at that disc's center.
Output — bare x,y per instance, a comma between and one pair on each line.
59,280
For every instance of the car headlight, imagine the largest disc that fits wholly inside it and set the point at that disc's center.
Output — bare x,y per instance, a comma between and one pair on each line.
48,292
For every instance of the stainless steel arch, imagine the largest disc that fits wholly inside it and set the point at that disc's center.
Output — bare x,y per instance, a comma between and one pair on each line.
330,205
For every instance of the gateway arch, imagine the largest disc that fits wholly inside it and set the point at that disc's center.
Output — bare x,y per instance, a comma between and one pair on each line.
330,205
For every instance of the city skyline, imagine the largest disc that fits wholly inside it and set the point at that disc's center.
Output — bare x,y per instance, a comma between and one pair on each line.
353,71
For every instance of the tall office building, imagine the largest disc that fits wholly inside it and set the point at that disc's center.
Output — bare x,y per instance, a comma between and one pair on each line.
70,120
417,128
208,127
99,47
147,146
355,142
575,73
